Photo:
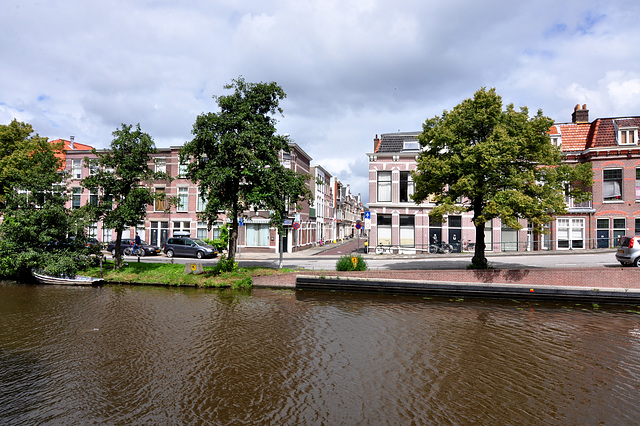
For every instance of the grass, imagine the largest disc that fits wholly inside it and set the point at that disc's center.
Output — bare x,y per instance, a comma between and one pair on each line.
174,275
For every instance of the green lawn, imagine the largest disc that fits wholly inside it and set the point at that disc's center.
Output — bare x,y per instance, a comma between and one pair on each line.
173,274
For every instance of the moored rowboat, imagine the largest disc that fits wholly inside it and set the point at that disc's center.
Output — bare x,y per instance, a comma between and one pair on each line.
77,280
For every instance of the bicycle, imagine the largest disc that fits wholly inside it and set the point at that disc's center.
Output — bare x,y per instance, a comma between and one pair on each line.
134,251
440,248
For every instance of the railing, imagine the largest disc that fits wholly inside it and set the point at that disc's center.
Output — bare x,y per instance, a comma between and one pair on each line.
507,246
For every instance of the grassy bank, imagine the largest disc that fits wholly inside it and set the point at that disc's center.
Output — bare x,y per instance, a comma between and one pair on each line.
174,275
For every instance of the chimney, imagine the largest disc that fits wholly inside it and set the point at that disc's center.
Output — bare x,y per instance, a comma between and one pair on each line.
71,139
580,114
376,141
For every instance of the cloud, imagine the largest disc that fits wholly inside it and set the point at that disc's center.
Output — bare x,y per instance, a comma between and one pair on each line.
350,69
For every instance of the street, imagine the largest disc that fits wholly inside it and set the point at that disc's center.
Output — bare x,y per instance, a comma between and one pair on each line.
326,260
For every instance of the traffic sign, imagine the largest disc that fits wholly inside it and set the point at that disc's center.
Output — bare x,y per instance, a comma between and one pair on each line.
358,225
367,215
296,225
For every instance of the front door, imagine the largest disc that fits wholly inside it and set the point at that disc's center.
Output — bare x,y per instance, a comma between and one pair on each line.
455,238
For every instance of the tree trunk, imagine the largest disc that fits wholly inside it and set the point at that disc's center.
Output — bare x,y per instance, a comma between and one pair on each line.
233,235
118,258
479,260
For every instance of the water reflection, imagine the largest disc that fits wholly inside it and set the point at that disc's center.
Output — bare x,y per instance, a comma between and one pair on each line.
170,356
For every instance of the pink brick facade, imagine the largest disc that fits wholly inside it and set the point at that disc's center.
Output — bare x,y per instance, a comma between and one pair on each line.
254,235
610,145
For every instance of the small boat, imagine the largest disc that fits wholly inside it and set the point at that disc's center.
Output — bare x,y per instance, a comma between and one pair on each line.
77,280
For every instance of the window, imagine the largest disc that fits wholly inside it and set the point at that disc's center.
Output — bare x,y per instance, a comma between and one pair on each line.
93,197
627,136
384,187
570,233
509,238
76,169
201,230
612,184
619,229
183,199
202,203
106,235
407,231
182,227
160,193
257,234
161,165
92,230
384,229
638,184
182,170
406,187
108,201
411,146
637,226
75,199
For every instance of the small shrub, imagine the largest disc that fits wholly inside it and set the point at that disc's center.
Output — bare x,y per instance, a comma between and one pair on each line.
225,265
346,264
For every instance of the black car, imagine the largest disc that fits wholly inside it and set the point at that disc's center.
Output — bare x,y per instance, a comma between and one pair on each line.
126,248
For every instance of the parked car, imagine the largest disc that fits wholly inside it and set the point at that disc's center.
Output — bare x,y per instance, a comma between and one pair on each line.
628,251
189,247
126,247
92,242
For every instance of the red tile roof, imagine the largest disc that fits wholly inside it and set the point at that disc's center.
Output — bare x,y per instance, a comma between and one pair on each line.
67,147
573,135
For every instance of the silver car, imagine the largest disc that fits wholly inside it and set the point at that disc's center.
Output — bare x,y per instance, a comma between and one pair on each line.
628,251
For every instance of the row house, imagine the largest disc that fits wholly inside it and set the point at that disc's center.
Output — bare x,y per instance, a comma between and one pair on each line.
398,224
255,234
348,211
323,210
610,145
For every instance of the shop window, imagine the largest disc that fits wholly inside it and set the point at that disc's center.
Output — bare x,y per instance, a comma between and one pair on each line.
407,231
383,222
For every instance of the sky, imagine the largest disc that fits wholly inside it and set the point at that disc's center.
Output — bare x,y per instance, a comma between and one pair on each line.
351,69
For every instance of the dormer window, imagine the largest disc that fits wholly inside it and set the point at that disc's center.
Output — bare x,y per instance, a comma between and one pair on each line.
628,136
411,145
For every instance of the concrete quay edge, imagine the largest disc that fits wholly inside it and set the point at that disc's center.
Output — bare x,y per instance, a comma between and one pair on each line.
542,292
612,285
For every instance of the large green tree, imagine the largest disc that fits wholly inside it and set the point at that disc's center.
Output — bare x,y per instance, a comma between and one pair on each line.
496,163
123,180
234,157
36,226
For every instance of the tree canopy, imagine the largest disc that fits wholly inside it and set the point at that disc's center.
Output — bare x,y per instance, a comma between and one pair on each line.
36,226
123,180
234,157
497,163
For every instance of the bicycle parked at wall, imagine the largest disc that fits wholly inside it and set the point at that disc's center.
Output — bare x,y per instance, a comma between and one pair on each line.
440,248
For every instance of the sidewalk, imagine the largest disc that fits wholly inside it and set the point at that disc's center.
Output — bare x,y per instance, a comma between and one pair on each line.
314,251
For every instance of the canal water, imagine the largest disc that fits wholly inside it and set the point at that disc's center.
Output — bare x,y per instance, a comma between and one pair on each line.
150,355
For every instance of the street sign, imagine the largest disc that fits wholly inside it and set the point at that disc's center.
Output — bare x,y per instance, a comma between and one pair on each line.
287,222
240,221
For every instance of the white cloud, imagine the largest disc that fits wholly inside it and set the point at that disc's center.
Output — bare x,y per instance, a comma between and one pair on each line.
350,69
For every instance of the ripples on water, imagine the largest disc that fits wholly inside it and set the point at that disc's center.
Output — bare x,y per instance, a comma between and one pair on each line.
115,355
